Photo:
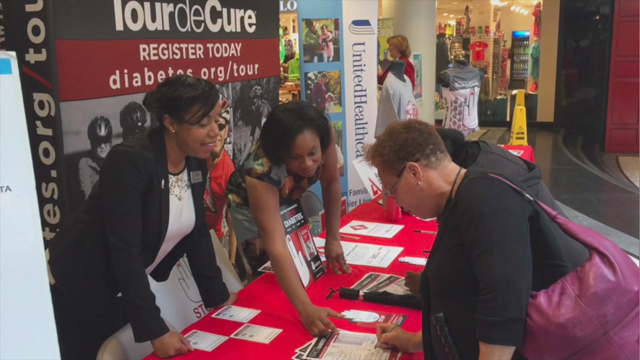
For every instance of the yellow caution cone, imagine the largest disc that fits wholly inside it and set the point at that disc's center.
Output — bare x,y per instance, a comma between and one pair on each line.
519,126
520,98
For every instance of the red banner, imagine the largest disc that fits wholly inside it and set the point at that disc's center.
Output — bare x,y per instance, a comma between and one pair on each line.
98,69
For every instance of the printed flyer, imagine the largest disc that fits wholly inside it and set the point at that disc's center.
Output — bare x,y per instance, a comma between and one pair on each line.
303,249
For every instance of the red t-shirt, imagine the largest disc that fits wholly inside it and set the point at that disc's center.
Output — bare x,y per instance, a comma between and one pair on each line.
478,49
215,199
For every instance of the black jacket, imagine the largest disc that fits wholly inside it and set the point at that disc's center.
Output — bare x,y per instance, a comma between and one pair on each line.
117,233
492,158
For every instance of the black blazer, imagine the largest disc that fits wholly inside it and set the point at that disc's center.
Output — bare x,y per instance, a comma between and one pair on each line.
117,233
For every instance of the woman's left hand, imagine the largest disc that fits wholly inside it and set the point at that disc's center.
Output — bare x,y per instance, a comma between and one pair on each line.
335,256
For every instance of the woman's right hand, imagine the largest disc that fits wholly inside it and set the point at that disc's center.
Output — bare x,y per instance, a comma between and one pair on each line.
392,337
171,344
316,319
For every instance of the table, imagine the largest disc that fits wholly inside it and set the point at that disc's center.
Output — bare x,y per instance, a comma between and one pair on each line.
276,311
524,151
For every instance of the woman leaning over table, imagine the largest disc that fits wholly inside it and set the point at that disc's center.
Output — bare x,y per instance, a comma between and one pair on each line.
295,150
492,248
144,214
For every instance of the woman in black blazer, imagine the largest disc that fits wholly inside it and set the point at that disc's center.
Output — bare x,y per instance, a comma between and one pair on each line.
143,215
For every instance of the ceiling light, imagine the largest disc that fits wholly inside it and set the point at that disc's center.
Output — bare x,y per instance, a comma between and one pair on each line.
451,15
517,8
445,14
526,12
513,7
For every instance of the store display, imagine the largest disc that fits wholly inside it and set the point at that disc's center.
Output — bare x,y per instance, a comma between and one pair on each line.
442,54
397,101
504,70
449,30
506,64
478,48
467,21
461,93
519,60
535,60
537,14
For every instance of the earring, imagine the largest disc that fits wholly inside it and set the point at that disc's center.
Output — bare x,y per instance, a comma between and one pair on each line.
173,131
419,183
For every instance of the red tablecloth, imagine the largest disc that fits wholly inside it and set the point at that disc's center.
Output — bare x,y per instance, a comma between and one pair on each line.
524,151
276,311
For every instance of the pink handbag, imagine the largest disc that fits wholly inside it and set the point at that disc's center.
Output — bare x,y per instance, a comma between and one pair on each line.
592,312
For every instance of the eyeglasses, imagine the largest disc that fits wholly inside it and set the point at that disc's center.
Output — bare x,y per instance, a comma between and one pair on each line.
389,192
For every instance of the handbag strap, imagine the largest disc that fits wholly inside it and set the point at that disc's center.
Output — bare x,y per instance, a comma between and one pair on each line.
549,211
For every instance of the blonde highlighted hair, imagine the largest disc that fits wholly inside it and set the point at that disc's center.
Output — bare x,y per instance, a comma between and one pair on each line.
401,43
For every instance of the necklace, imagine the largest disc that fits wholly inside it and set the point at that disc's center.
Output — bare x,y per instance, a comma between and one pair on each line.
455,181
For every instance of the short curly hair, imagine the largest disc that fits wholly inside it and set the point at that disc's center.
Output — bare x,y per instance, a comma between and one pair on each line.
407,141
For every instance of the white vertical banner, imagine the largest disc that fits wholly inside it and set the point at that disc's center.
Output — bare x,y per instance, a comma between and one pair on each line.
27,325
360,19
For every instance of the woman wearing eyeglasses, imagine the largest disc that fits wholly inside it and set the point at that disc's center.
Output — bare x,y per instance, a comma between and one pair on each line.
492,249
142,217
297,148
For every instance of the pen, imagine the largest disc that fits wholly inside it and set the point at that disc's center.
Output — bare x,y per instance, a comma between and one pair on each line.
350,237
377,345
424,232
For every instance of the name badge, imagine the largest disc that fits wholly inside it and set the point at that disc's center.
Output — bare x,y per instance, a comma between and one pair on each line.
196,177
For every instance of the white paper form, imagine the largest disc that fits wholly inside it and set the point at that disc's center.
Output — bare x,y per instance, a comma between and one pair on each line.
204,341
236,313
349,345
366,228
364,254
256,333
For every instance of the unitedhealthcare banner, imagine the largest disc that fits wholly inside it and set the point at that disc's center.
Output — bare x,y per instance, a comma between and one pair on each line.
338,65
360,67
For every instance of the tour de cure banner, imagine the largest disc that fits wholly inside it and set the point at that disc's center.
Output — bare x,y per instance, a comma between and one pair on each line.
85,66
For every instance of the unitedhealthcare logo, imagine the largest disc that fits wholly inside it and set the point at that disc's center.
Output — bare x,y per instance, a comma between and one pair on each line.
361,27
